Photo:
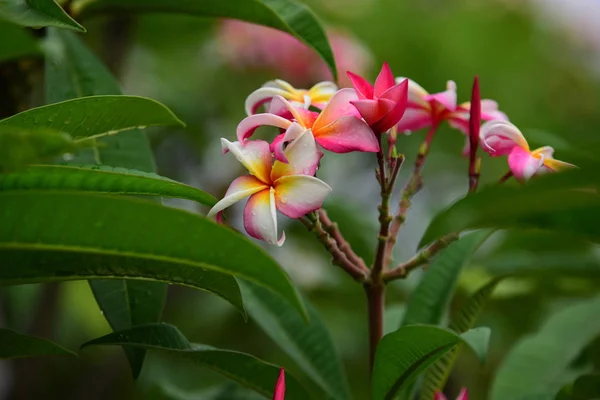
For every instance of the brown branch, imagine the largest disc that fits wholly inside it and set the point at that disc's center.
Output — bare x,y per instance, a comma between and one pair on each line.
333,230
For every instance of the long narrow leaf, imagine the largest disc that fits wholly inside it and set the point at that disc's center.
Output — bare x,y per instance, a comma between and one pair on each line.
37,13
18,345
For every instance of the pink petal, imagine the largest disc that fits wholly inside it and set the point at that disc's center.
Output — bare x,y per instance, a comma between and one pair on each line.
414,119
339,105
493,115
439,396
363,88
498,138
239,189
261,96
302,154
284,108
463,395
447,98
373,110
384,81
297,195
246,128
416,93
399,95
279,392
255,155
260,218
459,121
522,164
347,134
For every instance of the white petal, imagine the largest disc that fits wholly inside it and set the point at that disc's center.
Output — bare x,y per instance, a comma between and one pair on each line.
297,195
255,155
239,189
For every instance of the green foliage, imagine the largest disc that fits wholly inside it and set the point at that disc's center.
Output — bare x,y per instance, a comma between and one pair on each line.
37,14
18,345
20,44
243,368
97,178
404,354
535,365
113,236
310,345
585,387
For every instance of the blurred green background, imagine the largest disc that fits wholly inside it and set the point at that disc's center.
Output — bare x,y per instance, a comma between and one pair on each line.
540,66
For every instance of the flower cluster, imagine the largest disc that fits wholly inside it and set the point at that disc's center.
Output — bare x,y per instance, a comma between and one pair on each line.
282,173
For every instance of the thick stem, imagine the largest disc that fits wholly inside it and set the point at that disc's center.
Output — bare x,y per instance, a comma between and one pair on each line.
334,231
375,306
474,172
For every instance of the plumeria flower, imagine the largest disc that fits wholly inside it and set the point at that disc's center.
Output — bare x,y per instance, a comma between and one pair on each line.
501,138
338,128
279,392
426,110
382,105
317,96
290,188
463,395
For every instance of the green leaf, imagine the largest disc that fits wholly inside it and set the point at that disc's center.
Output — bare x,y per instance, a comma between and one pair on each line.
535,364
16,42
54,236
586,387
310,345
402,355
22,146
437,375
73,71
243,368
37,14
97,178
503,206
429,301
95,116
18,345
288,16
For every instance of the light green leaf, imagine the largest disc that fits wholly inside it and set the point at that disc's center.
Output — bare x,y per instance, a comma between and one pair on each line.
570,198
54,236
289,16
310,345
18,345
536,363
243,368
37,14
97,178
402,355
16,42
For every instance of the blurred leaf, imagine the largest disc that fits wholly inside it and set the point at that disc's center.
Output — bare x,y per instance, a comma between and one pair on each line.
586,387
310,345
97,178
37,14
429,301
72,71
22,146
95,116
16,42
575,262
437,375
18,345
226,391
69,236
569,197
535,364
288,16
402,355
243,368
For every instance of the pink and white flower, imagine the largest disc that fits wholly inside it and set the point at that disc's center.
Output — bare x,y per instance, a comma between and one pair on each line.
338,128
317,96
290,188
501,138
463,395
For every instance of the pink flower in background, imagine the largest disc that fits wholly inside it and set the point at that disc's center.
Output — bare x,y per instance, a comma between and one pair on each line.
338,128
463,395
290,188
383,104
279,391
317,96
501,138
252,47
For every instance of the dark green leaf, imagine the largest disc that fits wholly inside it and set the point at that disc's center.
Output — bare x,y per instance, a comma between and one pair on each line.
18,345
37,14
567,207
243,368
97,178
67,236
429,301
289,16
536,363
402,355
310,345
586,387
16,42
